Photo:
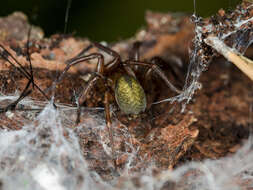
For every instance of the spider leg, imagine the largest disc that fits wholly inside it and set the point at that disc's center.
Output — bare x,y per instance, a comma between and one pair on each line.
80,59
157,70
110,65
129,71
80,54
109,125
25,92
28,55
135,53
5,54
175,69
106,49
13,105
136,50
113,63
100,69
82,98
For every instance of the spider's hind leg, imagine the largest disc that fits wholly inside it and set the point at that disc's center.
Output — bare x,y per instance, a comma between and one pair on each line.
154,67
174,66
109,126
83,97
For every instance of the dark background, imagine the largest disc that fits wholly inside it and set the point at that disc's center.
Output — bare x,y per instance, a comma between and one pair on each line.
107,20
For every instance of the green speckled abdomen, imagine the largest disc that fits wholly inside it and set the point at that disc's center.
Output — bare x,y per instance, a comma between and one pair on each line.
130,95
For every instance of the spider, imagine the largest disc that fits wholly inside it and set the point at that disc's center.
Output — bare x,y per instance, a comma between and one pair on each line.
118,76
5,54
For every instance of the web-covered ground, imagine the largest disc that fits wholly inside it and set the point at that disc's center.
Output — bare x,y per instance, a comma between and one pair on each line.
208,146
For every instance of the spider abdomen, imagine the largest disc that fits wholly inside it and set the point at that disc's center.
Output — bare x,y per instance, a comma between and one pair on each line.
130,95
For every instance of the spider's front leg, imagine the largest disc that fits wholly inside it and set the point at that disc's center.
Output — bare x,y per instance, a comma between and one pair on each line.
100,70
116,57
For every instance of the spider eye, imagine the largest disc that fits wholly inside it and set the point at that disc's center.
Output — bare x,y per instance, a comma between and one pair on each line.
130,95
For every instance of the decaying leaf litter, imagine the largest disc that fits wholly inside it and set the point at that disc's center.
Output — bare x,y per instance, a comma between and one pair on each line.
214,124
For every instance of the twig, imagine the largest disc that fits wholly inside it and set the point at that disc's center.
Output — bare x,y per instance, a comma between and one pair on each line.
243,63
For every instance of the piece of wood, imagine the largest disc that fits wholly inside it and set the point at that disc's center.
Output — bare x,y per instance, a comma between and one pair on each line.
243,63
